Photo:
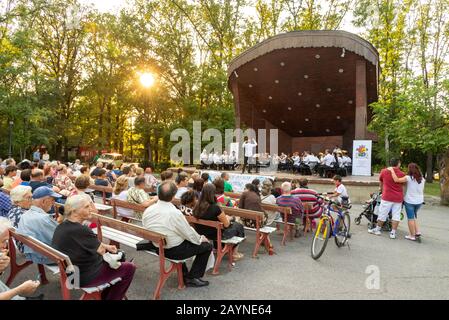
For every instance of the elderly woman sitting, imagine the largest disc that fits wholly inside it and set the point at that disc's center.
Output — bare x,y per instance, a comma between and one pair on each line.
21,202
87,252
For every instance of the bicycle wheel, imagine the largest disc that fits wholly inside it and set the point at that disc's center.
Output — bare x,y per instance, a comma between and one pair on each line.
343,230
322,234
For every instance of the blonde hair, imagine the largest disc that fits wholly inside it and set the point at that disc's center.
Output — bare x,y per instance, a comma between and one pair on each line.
18,193
120,185
267,186
139,171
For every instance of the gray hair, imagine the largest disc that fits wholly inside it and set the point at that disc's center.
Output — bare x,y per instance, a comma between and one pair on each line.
5,224
286,187
74,203
18,193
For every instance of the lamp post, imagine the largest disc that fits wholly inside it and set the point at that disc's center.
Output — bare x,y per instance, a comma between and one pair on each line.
11,123
132,119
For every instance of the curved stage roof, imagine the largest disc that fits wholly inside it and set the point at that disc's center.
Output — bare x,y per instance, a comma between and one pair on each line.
306,84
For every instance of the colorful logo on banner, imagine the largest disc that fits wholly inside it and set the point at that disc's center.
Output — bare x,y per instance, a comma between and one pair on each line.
238,181
362,151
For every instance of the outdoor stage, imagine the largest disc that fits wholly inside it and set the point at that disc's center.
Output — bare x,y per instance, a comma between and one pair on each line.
359,187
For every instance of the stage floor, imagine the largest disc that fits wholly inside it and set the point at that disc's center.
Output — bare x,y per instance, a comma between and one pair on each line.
314,179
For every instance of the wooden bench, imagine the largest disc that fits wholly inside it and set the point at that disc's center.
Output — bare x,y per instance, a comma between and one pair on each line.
63,267
104,190
223,246
115,203
285,211
129,235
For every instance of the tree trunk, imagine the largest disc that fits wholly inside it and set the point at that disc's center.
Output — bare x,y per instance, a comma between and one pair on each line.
444,178
429,167
387,150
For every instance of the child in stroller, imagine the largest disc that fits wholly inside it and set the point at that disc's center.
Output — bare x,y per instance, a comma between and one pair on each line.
370,209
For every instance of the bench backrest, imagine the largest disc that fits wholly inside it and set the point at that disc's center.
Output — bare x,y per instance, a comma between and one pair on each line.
127,228
265,206
115,203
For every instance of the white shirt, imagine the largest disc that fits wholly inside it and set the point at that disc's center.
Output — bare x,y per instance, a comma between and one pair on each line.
296,160
346,161
217,158
224,158
123,196
180,192
204,157
232,159
249,148
328,160
45,157
211,158
308,159
341,190
165,218
415,191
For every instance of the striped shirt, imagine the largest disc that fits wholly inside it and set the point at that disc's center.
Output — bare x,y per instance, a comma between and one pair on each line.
309,196
292,202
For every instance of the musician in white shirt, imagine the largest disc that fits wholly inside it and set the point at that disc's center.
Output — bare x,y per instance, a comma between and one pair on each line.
248,148
224,160
204,159
296,161
232,160
326,163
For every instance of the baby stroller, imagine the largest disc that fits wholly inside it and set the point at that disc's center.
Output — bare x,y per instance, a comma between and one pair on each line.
370,209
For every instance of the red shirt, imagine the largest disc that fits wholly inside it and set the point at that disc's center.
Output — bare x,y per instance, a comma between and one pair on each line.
391,191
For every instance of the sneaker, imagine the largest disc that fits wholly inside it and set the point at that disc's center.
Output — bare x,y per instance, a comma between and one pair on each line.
111,259
392,235
410,238
375,231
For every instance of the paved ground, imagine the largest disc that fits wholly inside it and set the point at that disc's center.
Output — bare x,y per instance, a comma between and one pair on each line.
407,270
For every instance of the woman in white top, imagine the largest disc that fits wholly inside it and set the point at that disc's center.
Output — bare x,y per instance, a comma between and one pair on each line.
268,198
414,197
120,192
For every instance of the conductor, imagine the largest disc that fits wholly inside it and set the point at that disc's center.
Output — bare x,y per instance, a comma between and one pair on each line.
248,148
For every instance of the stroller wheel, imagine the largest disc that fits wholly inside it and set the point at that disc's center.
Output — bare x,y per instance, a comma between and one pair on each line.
357,220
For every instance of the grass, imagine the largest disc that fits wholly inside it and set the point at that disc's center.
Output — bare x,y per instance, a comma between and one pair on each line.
432,189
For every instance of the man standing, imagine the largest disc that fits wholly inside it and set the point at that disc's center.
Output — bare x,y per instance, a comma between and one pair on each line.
248,148
392,197
182,240
36,155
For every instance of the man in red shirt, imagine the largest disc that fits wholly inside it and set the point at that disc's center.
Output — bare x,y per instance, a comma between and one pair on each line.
392,197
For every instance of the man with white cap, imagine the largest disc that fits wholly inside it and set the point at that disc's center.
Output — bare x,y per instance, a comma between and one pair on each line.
37,223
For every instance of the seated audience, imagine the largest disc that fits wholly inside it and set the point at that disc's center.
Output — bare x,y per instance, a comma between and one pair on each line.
5,204
250,200
205,176
26,288
150,180
309,196
82,183
21,202
267,197
198,186
182,180
120,192
36,222
94,172
188,202
103,181
227,185
25,177
38,180
219,193
182,240
138,195
10,177
63,182
110,175
193,176
207,208
167,175
287,200
86,251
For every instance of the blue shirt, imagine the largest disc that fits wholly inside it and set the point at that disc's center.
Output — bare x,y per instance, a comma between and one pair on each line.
5,204
39,225
37,155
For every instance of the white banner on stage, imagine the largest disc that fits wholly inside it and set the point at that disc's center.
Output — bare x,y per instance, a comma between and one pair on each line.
361,158
238,180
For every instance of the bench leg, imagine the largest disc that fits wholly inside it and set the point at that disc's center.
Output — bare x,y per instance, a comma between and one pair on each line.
41,269
230,250
265,239
286,232
220,254
162,279
180,276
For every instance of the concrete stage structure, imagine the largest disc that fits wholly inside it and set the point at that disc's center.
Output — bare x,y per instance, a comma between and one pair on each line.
313,86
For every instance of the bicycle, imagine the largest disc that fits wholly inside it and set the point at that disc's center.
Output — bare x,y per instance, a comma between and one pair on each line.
327,227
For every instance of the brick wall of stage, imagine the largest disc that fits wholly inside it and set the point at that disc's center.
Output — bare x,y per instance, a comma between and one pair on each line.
316,144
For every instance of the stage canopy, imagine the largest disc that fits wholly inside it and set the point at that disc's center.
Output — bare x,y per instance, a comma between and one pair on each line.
314,86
